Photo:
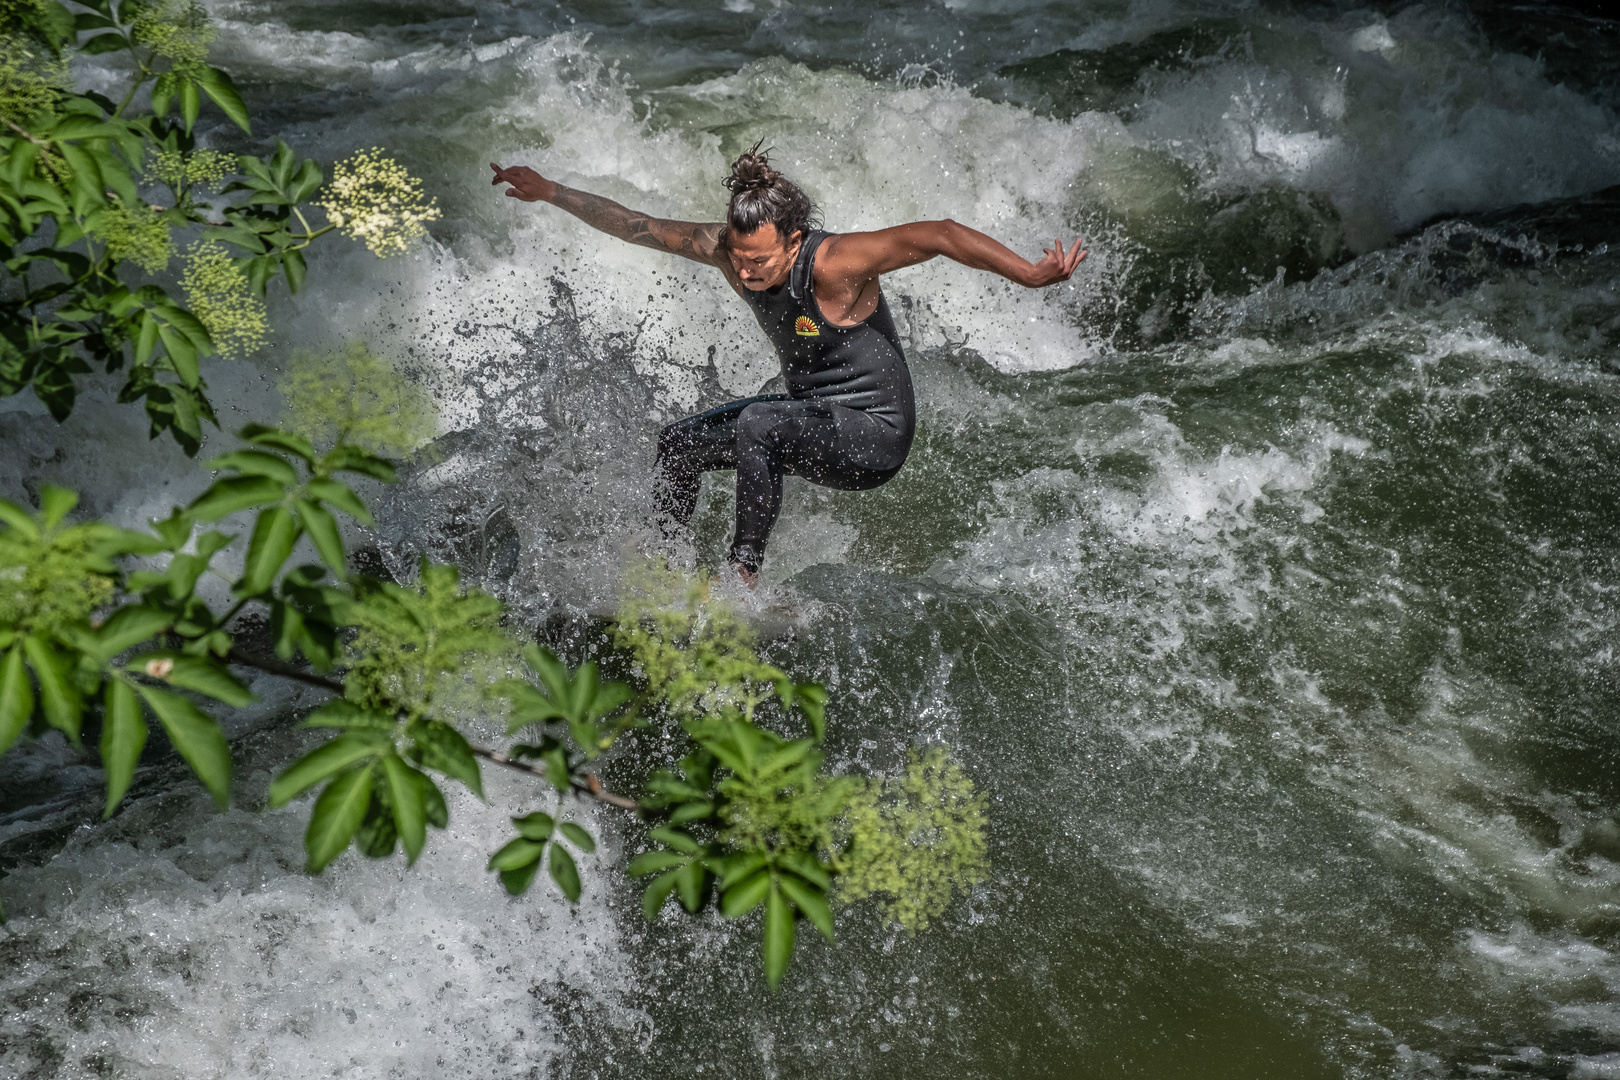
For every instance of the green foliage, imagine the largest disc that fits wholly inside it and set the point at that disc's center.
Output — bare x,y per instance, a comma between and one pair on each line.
410,641
917,840
351,395
749,820
30,80
136,234
52,575
79,217
693,654
519,860
177,30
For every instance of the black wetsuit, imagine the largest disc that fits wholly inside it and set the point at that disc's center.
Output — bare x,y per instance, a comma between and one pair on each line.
846,421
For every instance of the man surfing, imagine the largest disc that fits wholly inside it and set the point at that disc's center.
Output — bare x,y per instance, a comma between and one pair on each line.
848,417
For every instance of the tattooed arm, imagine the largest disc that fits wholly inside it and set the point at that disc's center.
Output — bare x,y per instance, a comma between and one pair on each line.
693,240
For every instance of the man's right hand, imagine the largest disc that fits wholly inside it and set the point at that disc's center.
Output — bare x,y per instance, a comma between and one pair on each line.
527,184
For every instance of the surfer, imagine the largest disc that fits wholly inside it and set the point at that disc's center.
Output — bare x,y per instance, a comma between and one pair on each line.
848,417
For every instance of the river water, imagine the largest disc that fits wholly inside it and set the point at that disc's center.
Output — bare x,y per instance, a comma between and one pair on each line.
1265,575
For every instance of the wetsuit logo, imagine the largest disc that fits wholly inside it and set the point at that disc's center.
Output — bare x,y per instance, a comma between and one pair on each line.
805,326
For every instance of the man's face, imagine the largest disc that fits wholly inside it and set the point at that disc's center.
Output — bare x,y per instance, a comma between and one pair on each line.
761,259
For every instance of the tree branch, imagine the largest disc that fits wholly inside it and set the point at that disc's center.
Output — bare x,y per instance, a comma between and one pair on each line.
589,785
286,671
44,159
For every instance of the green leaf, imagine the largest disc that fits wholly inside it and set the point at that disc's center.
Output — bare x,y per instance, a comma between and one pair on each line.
274,535
343,713
578,836
515,853
557,768
321,762
339,495
202,674
258,463
536,826
553,675
104,43
529,706
805,865
778,937
322,528
279,440
677,840
691,811
129,626
657,893
174,530
220,87
517,881
16,698
163,93
405,792
18,518
433,808
738,867
197,737
59,699
812,700
343,458
55,503
746,895
377,835
336,817
583,691
235,493
293,265
443,748
689,880
190,106
123,736
564,872
813,902
651,862
182,355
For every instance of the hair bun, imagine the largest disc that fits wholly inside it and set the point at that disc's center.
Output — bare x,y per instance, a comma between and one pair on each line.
751,172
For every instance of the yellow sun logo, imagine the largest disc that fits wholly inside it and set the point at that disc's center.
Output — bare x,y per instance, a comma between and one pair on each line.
805,326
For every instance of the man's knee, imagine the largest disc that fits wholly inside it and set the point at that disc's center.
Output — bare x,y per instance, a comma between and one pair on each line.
756,426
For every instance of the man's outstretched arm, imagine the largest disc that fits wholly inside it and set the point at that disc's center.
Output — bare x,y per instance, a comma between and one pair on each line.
862,256
693,240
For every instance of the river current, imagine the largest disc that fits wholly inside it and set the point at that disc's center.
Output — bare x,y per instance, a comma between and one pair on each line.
1266,575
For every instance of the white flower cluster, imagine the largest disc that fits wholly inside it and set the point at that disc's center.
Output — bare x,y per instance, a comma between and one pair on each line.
372,198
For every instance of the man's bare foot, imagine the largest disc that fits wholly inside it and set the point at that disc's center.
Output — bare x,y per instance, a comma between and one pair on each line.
749,577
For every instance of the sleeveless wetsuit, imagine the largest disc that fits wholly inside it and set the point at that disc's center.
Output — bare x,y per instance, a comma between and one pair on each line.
846,421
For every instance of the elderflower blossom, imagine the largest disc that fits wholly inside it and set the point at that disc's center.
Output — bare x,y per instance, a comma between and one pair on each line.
373,199
351,395
916,840
134,234
218,293
178,30
207,167
29,80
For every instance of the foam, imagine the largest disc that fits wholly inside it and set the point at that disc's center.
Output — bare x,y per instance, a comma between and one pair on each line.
228,962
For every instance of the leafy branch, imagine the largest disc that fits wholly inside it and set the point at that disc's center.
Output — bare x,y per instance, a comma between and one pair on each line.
80,223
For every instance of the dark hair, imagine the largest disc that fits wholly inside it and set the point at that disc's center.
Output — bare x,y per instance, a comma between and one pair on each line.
760,194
